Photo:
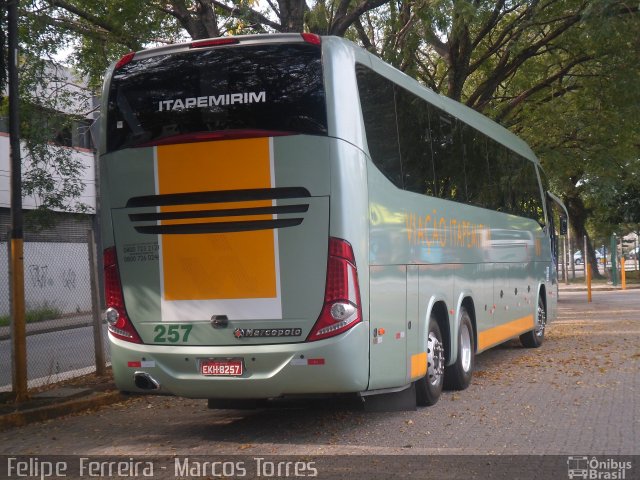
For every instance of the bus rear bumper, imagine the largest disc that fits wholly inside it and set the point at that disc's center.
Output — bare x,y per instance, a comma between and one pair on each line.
335,365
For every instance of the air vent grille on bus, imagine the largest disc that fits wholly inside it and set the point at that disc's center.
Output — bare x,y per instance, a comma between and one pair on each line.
195,199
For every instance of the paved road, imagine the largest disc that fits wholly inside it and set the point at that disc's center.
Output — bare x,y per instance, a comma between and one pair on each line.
577,395
53,355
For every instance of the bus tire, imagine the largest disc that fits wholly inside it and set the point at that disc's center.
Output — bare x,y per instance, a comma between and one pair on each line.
458,376
535,337
429,387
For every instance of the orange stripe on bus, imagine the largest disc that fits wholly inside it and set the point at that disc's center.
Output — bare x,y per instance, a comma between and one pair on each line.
222,265
499,334
418,365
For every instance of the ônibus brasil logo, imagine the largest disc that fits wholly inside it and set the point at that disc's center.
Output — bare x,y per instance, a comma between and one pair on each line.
597,469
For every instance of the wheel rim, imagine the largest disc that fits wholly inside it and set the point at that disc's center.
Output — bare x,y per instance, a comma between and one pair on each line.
542,320
435,359
465,348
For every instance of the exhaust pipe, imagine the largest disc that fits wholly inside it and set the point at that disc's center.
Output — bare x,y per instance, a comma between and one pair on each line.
144,381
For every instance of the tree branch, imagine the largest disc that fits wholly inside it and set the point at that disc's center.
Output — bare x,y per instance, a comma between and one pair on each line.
116,31
208,18
248,14
547,82
181,13
490,24
362,35
479,98
341,25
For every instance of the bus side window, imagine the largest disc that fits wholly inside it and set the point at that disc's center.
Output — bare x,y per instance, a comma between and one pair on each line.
444,155
415,142
476,169
379,114
526,191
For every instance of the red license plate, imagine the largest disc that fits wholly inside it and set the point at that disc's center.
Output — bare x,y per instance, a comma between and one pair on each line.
221,368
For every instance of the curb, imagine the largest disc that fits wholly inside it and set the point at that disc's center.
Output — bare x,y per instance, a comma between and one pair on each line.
48,412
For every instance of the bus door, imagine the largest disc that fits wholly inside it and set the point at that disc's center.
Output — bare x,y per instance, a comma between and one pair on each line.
388,351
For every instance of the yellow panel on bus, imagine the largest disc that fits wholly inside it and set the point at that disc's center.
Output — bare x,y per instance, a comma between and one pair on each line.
231,265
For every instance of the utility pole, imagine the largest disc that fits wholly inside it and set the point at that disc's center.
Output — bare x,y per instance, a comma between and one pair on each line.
18,328
585,259
614,260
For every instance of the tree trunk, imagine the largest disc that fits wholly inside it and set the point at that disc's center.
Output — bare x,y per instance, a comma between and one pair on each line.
577,216
292,15
459,57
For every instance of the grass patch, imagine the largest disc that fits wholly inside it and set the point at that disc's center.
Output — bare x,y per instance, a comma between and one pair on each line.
35,315
580,280
633,276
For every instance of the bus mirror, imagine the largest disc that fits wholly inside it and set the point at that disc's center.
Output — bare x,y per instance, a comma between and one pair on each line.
563,225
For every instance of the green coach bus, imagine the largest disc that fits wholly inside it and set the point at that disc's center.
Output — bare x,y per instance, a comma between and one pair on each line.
289,215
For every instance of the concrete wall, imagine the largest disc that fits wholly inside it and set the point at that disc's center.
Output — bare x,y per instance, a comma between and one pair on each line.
56,275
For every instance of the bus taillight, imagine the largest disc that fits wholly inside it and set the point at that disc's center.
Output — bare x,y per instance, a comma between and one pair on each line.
119,324
341,310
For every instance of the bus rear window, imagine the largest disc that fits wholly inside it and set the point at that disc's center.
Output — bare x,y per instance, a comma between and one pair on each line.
275,88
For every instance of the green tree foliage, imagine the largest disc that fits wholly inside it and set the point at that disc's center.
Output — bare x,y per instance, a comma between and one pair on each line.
615,201
591,123
51,105
562,74
95,33
101,31
50,112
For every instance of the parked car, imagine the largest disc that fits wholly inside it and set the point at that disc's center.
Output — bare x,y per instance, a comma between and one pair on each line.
578,260
577,257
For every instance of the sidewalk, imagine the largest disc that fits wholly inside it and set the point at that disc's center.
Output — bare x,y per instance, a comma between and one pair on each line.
62,398
71,396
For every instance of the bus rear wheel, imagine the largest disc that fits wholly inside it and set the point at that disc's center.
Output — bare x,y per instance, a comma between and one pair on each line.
535,337
458,376
429,387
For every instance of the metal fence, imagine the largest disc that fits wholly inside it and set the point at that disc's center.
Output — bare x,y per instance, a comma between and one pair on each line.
61,329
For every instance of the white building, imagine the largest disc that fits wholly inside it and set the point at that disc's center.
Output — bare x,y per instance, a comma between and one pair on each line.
56,265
